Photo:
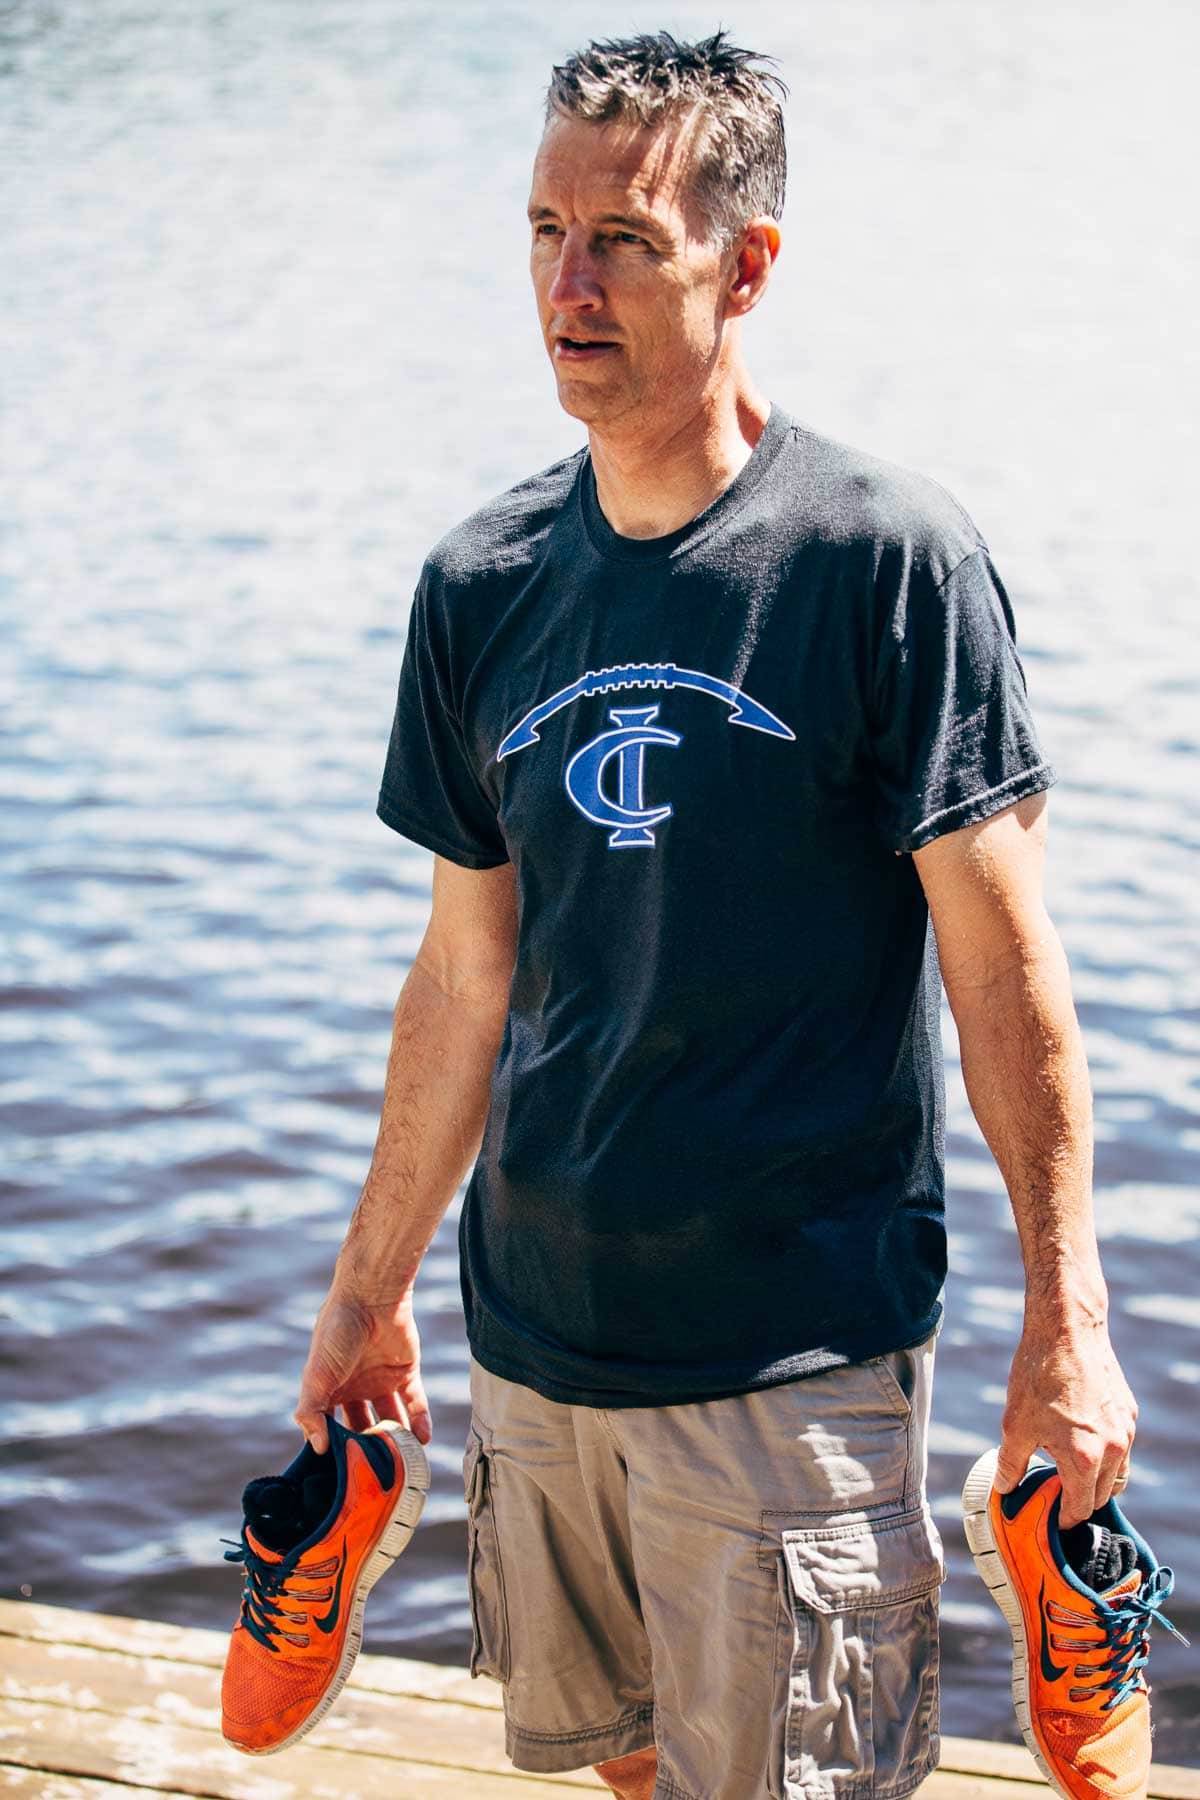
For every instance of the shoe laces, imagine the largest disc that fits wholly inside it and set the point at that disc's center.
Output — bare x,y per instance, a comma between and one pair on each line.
266,1582
1126,1628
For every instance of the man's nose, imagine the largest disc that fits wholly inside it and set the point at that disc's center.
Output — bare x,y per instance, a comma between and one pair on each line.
576,285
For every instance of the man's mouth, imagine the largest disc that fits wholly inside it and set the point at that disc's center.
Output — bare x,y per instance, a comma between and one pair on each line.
574,348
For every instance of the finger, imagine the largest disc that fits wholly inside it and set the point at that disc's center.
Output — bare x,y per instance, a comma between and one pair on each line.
358,1414
417,1406
1114,1475
310,1417
1012,1461
390,1406
1079,1478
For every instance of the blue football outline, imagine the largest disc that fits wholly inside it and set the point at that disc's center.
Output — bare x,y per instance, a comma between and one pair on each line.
747,712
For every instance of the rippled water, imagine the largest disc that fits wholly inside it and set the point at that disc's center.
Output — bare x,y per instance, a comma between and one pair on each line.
267,336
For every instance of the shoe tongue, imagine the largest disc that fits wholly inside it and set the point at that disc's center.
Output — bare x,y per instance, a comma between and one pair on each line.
1104,1560
280,1512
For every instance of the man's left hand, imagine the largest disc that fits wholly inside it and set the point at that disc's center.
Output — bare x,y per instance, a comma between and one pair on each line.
1068,1397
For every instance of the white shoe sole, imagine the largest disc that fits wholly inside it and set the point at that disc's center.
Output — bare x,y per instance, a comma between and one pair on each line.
990,1564
394,1538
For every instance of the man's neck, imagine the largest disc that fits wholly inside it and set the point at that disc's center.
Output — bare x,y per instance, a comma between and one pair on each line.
653,480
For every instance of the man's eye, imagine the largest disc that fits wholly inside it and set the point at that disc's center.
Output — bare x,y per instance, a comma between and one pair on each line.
628,237
543,228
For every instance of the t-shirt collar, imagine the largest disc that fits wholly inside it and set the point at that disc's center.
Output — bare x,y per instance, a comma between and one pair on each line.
613,544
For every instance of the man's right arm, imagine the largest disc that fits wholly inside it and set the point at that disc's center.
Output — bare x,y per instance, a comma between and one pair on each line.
447,1027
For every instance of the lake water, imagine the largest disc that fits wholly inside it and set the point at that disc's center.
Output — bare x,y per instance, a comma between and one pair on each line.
267,335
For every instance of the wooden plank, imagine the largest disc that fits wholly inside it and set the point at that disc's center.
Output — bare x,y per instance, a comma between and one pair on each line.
949,1784
176,1660
1169,1781
111,1631
973,1756
40,1784
183,1761
150,1689
37,1784
191,1644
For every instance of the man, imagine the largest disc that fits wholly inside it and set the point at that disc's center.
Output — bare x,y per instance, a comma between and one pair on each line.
706,725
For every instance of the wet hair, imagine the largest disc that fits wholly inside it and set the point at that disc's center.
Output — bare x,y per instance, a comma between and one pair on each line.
738,157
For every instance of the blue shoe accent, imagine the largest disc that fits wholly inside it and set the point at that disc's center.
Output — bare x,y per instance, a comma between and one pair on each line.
1012,1502
376,1453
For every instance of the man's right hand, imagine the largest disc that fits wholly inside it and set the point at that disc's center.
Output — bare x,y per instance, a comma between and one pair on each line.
362,1356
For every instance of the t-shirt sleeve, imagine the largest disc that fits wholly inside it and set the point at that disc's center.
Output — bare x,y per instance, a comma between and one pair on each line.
430,791
953,736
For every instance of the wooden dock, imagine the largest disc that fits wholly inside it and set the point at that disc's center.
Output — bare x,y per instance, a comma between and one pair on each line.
102,1708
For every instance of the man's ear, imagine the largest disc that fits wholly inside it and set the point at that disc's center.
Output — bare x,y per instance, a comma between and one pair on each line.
755,251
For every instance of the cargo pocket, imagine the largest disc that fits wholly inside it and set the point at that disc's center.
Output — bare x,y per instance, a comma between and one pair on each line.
485,1574
856,1679
896,1375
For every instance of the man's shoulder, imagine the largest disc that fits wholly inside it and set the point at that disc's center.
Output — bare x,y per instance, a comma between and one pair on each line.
856,497
504,535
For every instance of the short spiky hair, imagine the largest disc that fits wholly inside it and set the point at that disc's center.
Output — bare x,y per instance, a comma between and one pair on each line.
739,158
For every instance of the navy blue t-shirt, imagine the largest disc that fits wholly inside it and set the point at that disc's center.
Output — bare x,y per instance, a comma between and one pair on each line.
713,1159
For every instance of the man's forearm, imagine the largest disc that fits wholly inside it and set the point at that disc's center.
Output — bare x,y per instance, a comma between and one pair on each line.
434,1107
1026,1078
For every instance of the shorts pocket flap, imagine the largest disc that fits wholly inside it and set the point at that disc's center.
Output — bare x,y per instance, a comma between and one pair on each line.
473,1468
871,1562
485,1570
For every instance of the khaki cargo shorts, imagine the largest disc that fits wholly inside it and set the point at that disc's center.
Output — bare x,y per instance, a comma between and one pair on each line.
749,1584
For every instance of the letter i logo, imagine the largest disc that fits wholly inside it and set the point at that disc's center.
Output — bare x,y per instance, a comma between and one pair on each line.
632,820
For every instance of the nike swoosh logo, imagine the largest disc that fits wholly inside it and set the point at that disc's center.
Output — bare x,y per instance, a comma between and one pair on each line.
328,1620
1049,1670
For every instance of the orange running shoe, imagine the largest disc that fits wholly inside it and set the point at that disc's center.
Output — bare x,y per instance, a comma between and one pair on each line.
314,1541
1079,1604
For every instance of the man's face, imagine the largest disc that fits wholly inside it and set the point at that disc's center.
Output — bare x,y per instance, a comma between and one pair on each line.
629,290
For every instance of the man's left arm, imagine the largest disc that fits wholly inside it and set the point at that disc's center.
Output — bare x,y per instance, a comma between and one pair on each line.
1006,977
